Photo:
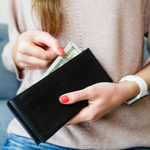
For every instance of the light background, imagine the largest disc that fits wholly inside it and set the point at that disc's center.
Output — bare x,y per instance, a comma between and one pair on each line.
4,11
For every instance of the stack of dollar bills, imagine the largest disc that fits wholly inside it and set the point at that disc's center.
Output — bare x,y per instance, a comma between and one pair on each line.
71,51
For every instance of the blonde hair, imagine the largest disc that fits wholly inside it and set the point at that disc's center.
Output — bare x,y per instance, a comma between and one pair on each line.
49,13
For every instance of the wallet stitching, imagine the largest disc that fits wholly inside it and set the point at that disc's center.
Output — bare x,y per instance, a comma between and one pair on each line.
45,83
57,83
39,95
62,83
62,123
42,103
58,70
76,76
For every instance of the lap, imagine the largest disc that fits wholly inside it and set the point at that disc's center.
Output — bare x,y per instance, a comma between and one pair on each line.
16,142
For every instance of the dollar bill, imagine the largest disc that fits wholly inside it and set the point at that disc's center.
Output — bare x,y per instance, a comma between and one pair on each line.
71,51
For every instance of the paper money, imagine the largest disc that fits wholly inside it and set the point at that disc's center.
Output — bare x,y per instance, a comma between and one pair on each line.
71,51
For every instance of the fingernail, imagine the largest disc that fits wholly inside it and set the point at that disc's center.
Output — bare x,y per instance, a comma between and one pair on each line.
61,50
64,99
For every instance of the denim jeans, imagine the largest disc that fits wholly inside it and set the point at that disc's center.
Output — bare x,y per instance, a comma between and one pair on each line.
16,142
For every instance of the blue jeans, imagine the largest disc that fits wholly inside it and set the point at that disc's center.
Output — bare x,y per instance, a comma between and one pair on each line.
16,142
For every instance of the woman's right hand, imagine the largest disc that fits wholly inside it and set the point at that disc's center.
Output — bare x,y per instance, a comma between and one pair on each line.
36,50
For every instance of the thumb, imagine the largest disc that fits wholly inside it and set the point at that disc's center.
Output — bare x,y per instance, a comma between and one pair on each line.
74,97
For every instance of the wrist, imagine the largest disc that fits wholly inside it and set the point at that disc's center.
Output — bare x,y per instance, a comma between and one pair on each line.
141,84
128,90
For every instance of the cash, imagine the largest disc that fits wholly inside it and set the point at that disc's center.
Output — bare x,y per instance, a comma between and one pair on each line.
71,51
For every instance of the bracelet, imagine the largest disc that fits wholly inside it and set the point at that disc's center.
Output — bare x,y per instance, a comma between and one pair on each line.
142,84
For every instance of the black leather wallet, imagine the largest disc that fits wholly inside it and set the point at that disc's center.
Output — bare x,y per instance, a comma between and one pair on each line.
38,108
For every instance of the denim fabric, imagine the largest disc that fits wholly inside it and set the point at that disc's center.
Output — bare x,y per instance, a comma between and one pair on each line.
5,118
15,142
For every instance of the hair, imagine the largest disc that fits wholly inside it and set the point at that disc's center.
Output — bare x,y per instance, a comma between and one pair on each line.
49,15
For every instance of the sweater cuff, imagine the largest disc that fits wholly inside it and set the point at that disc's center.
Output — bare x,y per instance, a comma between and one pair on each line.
9,63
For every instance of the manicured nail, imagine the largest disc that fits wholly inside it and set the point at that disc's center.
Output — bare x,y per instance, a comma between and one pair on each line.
64,99
61,50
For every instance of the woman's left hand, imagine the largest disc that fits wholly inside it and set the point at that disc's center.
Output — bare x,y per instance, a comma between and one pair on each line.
102,98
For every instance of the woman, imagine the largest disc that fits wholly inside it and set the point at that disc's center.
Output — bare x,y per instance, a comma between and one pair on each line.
114,31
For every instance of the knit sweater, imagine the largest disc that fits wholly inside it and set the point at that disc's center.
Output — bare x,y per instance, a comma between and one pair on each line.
114,31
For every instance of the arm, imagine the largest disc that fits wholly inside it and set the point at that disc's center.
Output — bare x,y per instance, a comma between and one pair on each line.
100,102
27,49
16,26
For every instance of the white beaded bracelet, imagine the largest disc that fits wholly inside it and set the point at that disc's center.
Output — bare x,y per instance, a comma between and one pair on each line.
142,84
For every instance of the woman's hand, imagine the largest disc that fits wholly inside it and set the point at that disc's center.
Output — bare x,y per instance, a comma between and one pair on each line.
102,98
35,50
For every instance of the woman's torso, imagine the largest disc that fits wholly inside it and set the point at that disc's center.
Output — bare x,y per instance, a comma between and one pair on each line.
113,30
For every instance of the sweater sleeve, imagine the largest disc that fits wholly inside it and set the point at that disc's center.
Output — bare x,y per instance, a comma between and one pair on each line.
16,26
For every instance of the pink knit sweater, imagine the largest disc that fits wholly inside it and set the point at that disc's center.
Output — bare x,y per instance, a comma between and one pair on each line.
113,30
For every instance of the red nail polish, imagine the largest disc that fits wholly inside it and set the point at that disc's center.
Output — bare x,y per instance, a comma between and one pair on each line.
61,50
64,99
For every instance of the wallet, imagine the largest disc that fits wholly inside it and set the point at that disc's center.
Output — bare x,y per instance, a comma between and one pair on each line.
38,108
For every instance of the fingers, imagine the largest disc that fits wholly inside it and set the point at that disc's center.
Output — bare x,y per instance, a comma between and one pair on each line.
79,117
32,50
37,48
100,102
92,112
86,115
30,62
76,96
36,52
49,41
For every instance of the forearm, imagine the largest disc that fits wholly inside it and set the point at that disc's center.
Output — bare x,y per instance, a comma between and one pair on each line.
129,89
145,75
